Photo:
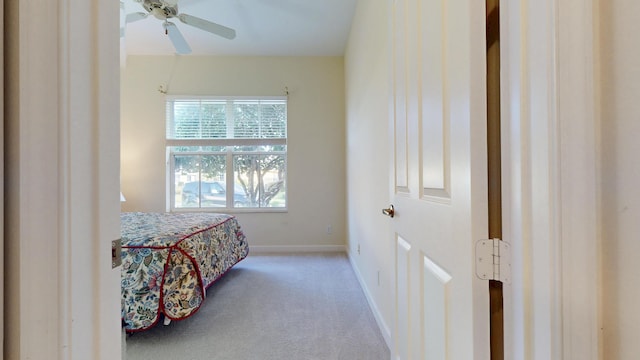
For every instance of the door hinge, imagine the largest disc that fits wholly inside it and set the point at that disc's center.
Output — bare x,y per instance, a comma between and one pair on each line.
493,260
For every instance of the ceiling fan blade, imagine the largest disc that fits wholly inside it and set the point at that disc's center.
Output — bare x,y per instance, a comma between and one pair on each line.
171,2
136,16
205,25
176,38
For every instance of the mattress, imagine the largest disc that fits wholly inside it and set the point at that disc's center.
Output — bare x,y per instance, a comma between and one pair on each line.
170,259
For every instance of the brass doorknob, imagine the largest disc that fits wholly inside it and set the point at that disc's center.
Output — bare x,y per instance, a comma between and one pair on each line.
390,212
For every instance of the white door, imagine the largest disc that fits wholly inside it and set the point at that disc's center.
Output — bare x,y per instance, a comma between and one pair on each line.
439,178
62,168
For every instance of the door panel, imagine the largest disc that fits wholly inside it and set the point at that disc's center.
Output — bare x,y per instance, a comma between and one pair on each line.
440,178
435,167
401,153
403,319
434,307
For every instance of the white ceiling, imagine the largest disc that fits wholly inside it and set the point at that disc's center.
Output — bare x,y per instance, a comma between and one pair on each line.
263,28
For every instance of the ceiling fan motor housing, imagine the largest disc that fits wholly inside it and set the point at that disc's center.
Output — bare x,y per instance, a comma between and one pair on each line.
160,9
167,9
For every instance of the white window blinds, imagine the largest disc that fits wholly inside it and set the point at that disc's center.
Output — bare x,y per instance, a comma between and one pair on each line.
226,119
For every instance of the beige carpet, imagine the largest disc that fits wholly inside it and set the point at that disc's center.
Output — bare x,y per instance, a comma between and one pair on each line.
273,307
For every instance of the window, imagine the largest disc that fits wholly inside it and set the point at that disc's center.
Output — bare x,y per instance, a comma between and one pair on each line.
227,153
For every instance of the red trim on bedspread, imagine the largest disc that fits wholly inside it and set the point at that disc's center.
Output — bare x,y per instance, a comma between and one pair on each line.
231,217
203,287
160,312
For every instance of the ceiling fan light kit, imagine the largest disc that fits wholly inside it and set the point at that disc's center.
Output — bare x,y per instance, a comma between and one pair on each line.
167,9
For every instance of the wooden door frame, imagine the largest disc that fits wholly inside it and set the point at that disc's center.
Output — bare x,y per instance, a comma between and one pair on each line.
2,173
62,186
550,178
494,170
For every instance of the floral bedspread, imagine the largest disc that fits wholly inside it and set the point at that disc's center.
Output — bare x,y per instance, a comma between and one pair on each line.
169,259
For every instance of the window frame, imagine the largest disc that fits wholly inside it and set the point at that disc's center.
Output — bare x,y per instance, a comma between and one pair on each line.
229,153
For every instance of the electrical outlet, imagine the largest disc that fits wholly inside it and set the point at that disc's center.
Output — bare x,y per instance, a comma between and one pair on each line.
329,230
358,249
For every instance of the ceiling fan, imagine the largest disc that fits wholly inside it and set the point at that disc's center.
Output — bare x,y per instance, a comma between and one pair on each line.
168,9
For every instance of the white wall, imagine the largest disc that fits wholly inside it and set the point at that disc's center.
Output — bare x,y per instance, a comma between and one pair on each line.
368,190
620,58
316,141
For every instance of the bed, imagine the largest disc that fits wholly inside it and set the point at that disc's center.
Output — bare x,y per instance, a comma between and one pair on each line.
170,259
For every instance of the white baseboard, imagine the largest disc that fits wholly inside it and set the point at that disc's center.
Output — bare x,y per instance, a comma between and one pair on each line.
384,329
289,249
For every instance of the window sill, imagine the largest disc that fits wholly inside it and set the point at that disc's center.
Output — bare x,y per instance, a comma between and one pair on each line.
233,210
